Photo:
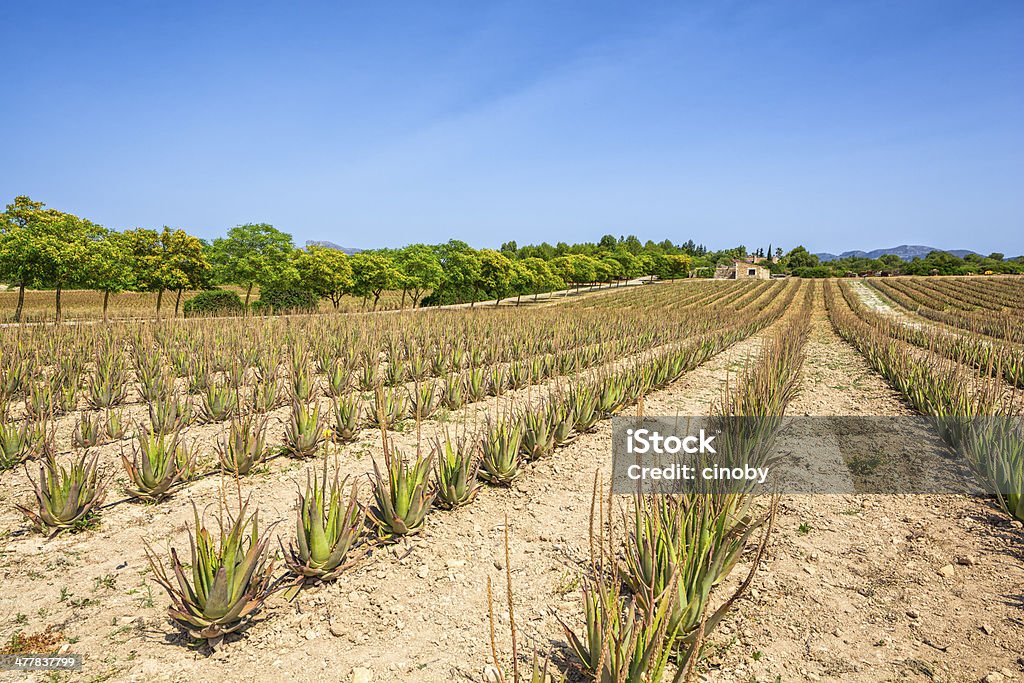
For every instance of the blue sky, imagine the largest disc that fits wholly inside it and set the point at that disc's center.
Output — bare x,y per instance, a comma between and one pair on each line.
838,125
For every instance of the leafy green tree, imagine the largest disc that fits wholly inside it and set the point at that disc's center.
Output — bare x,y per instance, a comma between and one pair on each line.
254,254
460,266
372,274
167,260
22,222
324,271
522,280
629,263
576,269
891,262
543,277
496,273
109,266
672,266
420,269
612,269
799,257
62,242
632,244
183,264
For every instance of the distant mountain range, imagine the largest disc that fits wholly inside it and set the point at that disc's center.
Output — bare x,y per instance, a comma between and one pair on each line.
907,252
332,245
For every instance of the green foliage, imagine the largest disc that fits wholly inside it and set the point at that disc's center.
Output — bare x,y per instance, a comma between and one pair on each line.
326,528
813,272
170,259
372,274
45,248
324,272
278,300
231,574
65,496
254,254
158,462
420,270
799,257
401,494
672,266
214,302
495,275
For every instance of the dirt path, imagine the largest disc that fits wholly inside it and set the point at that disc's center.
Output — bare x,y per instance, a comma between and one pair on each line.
874,300
877,588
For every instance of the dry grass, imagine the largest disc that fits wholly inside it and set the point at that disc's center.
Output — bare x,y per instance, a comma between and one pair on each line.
85,304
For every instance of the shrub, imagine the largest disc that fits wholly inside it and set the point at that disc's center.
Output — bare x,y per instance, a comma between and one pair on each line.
286,300
214,302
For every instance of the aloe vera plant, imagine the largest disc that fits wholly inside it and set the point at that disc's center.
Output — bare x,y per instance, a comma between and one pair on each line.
157,464
338,378
66,497
244,446
167,414
266,395
622,642
499,461
517,376
305,431
388,409
107,386
455,472
497,381
538,437
995,448
453,390
153,386
401,494
475,386
17,443
395,373
368,374
41,402
561,421
115,424
423,401
88,431
231,577
689,542
220,402
303,386
326,528
583,407
346,418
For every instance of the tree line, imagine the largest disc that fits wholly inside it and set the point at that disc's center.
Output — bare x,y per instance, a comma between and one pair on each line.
43,248
803,264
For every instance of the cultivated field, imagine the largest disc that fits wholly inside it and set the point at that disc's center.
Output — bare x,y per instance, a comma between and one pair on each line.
473,441
84,304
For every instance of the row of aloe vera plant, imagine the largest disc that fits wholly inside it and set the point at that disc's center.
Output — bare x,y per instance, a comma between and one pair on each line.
403,493
209,608
979,417
655,565
221,397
